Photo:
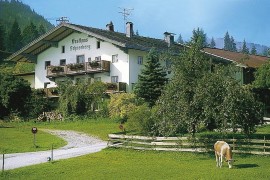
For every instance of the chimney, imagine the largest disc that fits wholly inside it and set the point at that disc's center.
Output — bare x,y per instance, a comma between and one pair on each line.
110,27
129,29
169,38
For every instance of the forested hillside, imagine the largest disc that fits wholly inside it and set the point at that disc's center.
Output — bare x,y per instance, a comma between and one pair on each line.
18,19
19,25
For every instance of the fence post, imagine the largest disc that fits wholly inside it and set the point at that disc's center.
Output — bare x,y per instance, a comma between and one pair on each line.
3,166
264,145
233,144
52,153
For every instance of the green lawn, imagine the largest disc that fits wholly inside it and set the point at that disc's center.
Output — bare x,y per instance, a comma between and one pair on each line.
130,164
114,163
17,137
20,139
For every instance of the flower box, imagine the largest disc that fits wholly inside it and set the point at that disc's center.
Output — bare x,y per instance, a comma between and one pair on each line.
56,69
75,67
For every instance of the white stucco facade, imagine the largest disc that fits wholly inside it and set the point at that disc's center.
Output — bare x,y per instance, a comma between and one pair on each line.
78,44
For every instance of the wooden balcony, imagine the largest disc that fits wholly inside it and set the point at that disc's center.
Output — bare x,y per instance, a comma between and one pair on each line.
116,87
78,69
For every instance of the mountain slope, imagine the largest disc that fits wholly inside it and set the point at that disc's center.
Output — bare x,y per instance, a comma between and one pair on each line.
9,11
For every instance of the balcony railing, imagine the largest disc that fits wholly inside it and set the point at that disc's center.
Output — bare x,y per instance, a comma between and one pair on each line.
116,87
78,68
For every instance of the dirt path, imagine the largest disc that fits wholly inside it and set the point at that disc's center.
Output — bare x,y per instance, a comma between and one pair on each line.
78,144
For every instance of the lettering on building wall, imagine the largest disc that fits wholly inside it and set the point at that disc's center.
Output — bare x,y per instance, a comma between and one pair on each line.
79,44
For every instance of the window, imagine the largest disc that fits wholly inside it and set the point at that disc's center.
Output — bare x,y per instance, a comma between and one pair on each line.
46,84
47,63
97,79
62,62
63,49
80,59
140,60
114,58
98,44
114,79
98,58
89,59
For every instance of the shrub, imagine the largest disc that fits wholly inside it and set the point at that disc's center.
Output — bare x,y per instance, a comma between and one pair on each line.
140,119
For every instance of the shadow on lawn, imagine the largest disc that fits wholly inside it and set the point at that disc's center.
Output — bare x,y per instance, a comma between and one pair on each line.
242,166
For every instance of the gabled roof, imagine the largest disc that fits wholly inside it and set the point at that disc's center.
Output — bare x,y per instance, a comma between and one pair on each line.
51,38
246,60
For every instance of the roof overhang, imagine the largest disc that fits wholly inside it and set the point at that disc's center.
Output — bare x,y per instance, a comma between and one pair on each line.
30,52
226,59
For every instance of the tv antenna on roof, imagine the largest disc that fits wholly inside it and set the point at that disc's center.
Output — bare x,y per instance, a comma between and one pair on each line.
125,12
62,20
59,20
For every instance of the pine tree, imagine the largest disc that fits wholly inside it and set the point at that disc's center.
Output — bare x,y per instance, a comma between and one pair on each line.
14,41
30,33
233,45
212,44
227,42
180,39
245,49
253,50
41,30
152,79
199,37
2,37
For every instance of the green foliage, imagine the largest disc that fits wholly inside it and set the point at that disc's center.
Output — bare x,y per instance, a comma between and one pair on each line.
262,76
2,38
253,50
25,16
180,39
212,44
141,120
29,33
197,97
23,67
96,98
72,98
14,40
14,95
229,43
152,79
177,110
80,98
199,38
245,49
38,104
121,104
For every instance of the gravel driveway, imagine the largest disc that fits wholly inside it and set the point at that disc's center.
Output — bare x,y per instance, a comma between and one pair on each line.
78,144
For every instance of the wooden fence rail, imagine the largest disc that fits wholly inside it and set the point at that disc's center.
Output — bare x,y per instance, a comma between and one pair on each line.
252,146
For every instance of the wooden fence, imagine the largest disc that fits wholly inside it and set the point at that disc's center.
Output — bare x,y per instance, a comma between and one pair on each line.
252,146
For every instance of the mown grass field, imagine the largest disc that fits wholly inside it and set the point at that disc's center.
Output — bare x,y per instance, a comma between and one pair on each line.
114,163
131,164
16,139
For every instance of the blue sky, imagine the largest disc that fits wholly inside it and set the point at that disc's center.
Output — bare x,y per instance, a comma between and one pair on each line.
243,19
